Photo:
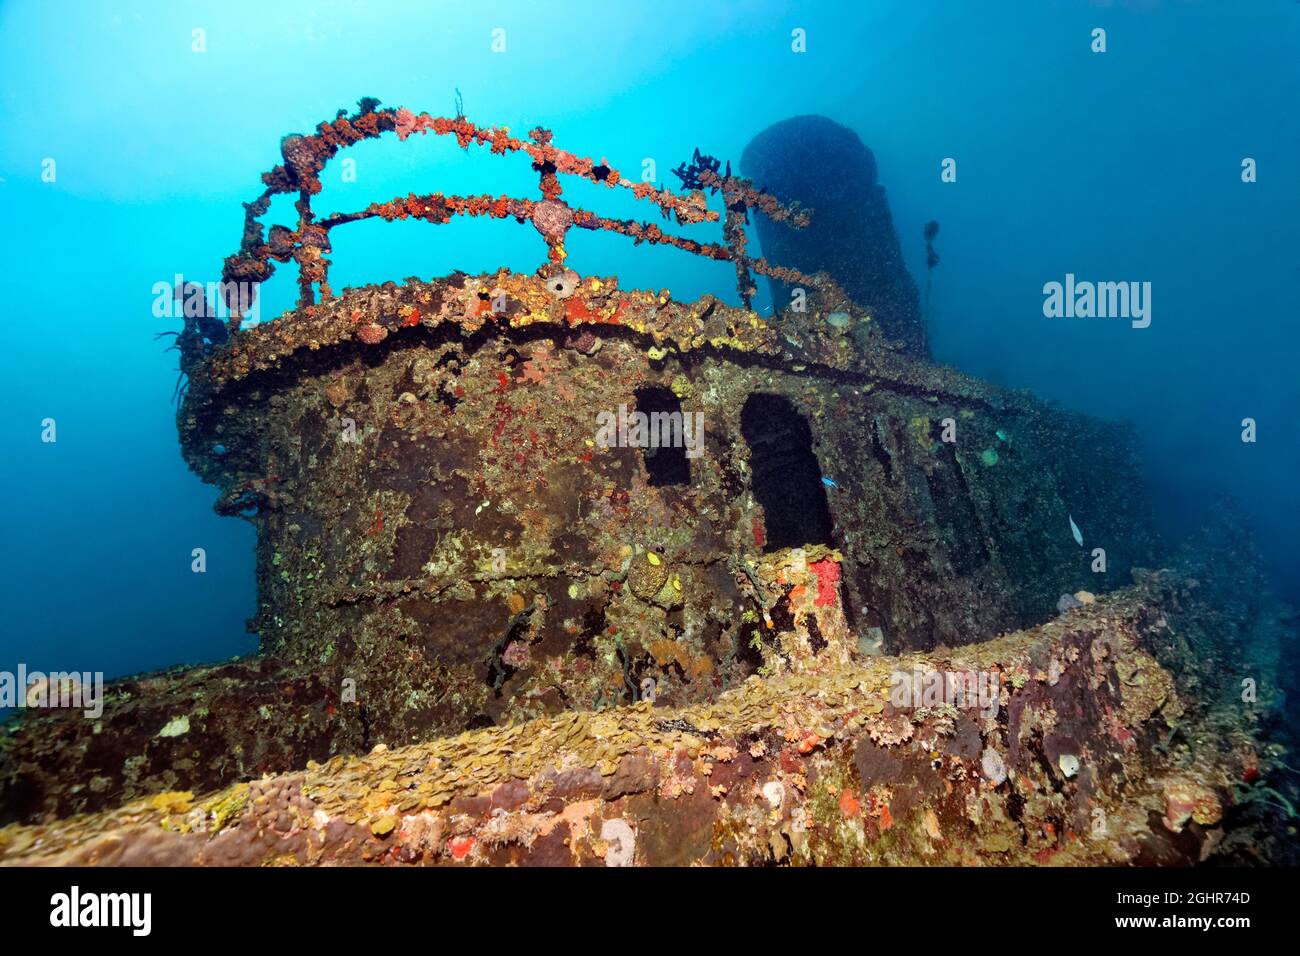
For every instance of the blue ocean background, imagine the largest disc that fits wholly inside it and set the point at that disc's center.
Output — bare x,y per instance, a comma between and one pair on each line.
1117,166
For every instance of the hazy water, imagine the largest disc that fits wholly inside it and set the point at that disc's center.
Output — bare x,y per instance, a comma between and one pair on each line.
1117,166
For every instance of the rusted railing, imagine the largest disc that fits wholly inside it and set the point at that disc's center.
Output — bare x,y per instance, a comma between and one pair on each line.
551,216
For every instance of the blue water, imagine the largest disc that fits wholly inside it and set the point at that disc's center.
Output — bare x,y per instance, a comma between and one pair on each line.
1117,166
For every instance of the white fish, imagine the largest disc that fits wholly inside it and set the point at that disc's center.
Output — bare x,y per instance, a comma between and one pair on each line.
1074,529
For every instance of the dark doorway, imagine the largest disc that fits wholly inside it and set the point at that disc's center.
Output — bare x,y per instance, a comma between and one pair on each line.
785,475
666,464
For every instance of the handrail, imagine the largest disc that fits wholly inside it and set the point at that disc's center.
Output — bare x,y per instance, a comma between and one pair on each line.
551,216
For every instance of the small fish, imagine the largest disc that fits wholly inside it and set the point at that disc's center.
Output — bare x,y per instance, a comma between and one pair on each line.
829,482
1074,529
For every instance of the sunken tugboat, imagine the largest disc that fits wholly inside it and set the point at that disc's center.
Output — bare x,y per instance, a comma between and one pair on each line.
534,542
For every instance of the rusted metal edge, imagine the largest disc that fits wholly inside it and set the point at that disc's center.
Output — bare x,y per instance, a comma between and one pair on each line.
508,304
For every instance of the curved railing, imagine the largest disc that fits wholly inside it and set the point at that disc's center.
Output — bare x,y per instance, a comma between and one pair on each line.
550,215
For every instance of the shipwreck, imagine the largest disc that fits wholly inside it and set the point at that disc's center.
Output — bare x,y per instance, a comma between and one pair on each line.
489,637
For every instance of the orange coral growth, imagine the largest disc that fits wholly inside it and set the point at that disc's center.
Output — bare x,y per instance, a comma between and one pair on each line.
828,581
576,311
666,652
460,847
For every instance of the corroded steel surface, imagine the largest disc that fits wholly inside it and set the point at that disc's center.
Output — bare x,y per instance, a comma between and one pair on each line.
1090,755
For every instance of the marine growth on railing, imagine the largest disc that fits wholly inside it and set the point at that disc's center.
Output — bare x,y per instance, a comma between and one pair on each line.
551,216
